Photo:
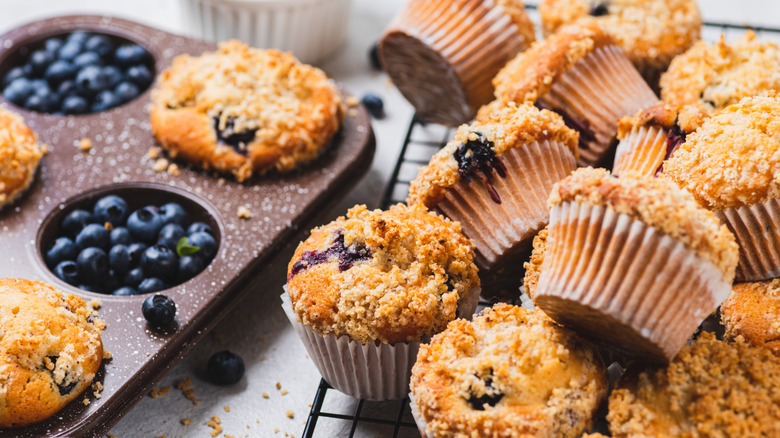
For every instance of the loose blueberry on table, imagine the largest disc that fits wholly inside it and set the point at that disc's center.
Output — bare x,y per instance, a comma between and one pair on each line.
79,73
225,368
115,251
159,310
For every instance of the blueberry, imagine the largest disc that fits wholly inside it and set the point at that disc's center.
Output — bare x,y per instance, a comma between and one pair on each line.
189,266
144,224
40,60
53,45
90,287
74,105
78,36
120,236
169,235
119,259
136,250
160,261
139,75
373,57
59,71
41,104
110,208
126,91
99,44
113,74
90,80
159,310
14,73
130,55
196,227
173,213
134,277
75,221
67,271
93,264
374,105
110,283
67,88
206,244
599,10
86,59
225,368
63,249
124,291
69,51
105,100
19,90
93,235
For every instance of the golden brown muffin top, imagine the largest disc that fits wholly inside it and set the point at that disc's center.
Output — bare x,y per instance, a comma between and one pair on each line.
531,73
20,154
660,114
515,9
711,389
644,29
533,267
509,373
753,312
510,126
658,203
709,77
733,160
394,276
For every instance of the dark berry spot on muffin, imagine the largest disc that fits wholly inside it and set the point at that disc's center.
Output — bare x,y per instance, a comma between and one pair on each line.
674,138
230,137
476,158
480,396
580,125
347,255
50,365
599,10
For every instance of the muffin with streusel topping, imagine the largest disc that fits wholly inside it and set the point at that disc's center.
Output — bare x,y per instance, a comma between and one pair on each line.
731,165
711,389
632,262
20,155
650,32
647,139
509,373
370,286
533,267
752,311
494,178
580,73
244,111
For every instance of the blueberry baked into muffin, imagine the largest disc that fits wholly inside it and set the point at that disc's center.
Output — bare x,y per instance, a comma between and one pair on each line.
20,155
509,373
244,111
50,350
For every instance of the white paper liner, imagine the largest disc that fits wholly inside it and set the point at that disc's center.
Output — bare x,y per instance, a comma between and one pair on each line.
642,150
624,284
373,371
418,418
600,89
757,230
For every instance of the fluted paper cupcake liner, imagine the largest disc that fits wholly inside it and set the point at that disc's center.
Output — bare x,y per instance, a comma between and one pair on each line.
372,371
643,150
757,230
598,90
624,284
418,418
442,55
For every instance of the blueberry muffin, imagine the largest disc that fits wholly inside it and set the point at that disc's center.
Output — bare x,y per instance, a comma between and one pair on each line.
650,32
244,111
533,267
494,178
580,73
632,262
752,311
20,154
731,165
509,373
50,350
711,389
648,139
443,54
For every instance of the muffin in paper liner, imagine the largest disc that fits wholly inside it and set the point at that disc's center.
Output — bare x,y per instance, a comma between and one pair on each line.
623,283
371,371
642,150
756,229
443,54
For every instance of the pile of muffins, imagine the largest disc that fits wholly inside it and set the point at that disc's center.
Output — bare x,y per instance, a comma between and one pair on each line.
625,268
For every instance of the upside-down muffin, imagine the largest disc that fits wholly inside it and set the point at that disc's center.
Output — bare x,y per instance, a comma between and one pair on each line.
20,155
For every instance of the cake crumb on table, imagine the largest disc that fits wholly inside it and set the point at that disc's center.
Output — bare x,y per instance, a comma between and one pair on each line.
352,101
290,414
85,402
276,430
160,165
185,385
174,170
153,153
185,421
214,423
159,392
278,385
265,395
97,389
244,212
107,354
85,144
227,408
284,392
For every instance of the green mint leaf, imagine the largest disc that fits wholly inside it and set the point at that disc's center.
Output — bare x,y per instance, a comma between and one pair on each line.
183,247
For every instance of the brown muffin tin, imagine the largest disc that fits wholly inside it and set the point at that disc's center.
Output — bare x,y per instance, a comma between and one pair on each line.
70,178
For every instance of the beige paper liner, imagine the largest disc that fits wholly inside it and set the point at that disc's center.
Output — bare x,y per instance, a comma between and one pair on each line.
642,150
443,54
756,228
418,418
373,371
600,89
622,283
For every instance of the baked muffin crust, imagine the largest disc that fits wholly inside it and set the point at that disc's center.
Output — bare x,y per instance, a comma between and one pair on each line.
533,267
390,276
752,311
20,154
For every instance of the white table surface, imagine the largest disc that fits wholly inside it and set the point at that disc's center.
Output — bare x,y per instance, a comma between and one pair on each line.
257,329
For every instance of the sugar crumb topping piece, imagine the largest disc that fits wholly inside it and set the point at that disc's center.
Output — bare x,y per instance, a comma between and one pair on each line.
85,144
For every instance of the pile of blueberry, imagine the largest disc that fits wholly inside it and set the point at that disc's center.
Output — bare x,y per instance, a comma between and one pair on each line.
113,251
78,74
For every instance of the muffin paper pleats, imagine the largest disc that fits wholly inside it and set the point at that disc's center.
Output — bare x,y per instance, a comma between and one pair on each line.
756,228
643,151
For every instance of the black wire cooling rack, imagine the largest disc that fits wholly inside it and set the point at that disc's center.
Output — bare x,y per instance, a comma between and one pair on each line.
422,141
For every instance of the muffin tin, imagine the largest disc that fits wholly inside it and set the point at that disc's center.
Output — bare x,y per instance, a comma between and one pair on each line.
71,178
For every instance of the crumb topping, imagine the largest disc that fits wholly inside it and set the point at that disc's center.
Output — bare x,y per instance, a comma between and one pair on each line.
20,154
511,126
408,271
659,203
661,114
751,311
533,267
510,373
